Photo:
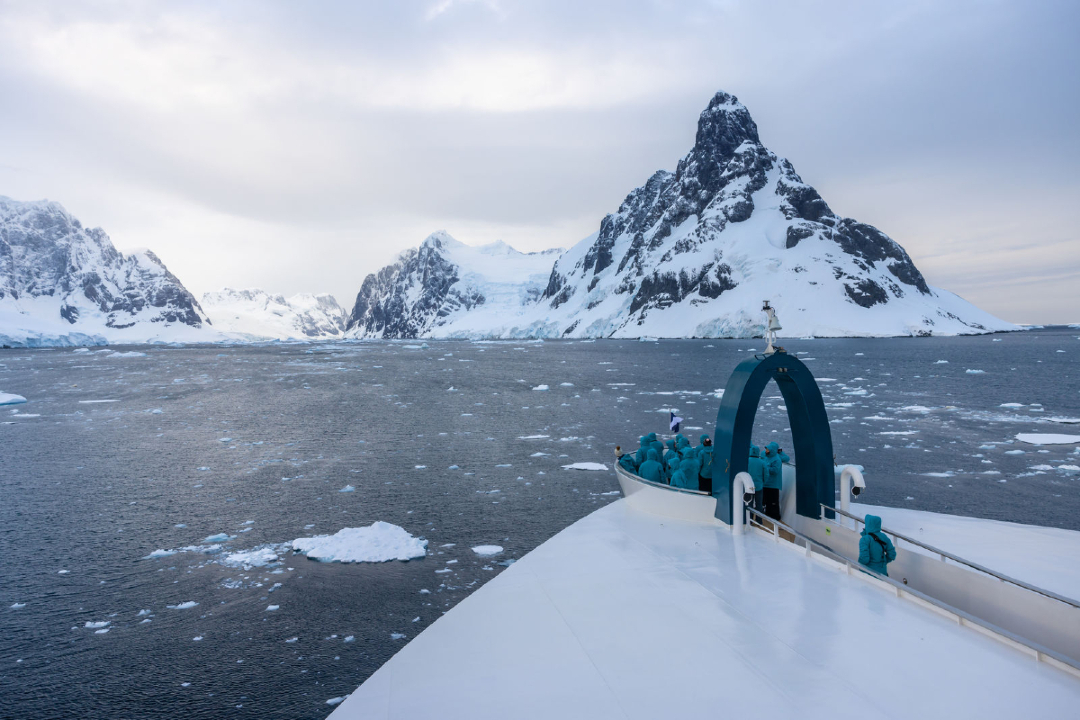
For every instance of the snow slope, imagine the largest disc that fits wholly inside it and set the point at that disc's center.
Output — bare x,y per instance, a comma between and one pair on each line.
63,284
445,288
256,314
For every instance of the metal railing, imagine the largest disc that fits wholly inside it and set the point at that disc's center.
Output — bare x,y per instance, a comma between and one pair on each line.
1040,652
619,469
943,555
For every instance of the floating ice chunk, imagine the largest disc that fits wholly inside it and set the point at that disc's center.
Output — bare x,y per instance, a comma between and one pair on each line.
143,613
219,538
1048,439
96,402
1064,420
539,454
102,631
566,384
17,606
1011,405
1066,468
541,387
942,362
969,371
257,557
224,439
350,638
453,467
131,354
1015,452
946,474
533,437
183,606
272,608
420,467
11,399
339,700
62,572
292,639
898,432
197,638
585,466
487,550
347,488
160,554
378,542
397,636
101,624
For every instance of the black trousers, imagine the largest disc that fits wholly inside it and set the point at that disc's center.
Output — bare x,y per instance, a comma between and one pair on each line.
759,503
771,496
704,484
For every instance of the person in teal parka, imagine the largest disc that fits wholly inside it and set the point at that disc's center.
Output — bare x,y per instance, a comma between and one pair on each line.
626,460
671,452
774,481
705,455
651,469
640,455
678,476
757,470
690,467
876,550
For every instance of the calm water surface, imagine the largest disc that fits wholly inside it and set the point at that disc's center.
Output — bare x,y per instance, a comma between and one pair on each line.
117,456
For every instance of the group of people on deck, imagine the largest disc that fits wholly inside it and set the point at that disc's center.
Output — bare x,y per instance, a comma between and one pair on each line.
674,462
766,467
677,463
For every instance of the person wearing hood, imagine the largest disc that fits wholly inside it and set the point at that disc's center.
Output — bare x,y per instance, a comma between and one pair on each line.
651,469
658,447
705,455
626,460
679,478
774,481
671,452
690,466
756,468
640,455
876,550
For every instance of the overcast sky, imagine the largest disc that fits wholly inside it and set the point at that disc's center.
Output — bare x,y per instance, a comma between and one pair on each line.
298,147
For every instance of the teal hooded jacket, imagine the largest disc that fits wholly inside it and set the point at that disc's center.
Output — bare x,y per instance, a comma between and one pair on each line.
774,467
704,454
627,462
651,469
876,550
756,468
679,477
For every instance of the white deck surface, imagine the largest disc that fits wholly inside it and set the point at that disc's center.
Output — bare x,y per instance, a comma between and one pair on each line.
630,615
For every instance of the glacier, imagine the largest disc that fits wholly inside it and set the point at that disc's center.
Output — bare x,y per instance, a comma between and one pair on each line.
254,314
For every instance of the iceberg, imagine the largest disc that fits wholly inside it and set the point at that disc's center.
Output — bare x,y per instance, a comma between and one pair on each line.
378,542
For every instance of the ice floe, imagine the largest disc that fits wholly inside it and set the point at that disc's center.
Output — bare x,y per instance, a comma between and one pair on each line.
585,466
378,542
541,387
183,606
487,550
256,557
11,399
1048,439
336,700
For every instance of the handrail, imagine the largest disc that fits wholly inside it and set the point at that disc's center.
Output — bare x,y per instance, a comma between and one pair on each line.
620,469
974,565
1071,665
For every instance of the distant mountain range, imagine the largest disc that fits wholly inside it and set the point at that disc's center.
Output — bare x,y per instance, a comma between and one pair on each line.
691,253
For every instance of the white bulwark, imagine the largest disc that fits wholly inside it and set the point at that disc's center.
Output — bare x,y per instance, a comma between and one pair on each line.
633,614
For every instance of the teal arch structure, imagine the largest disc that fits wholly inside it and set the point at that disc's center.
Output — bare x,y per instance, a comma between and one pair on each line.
815,479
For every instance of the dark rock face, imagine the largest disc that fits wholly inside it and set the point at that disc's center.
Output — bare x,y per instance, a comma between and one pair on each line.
712,189
402,300
45,252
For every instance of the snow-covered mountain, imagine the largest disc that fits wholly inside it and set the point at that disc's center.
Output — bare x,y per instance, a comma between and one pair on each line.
61,283
693,253
445,288
255,314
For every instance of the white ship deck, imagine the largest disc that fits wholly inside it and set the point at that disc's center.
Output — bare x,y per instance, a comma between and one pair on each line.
629,615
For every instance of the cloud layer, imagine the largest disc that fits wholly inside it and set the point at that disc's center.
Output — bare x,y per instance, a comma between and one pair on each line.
297,147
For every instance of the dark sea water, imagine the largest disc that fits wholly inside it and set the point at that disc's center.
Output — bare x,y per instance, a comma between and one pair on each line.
257,442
